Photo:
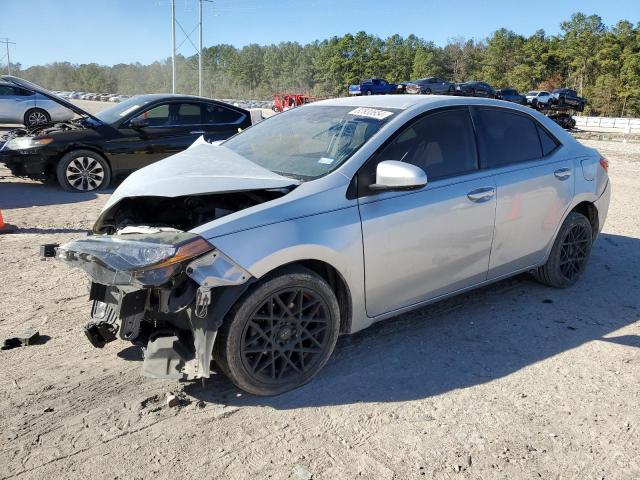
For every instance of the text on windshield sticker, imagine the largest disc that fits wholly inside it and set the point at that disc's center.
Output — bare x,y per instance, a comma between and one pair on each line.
371,113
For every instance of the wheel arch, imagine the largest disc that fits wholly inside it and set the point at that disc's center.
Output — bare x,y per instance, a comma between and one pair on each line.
335,280
51,168
583,206
589,210
28,108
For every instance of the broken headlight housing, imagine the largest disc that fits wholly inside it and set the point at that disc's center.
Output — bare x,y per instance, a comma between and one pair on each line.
135,259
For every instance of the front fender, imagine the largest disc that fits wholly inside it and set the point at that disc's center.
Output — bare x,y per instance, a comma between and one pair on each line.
333,237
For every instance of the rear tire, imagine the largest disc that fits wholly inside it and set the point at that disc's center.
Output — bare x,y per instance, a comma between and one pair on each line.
451,90
280,334
368,92
569,254
427,91
36,116
83,171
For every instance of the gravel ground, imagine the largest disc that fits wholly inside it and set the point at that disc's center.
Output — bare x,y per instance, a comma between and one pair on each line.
513,381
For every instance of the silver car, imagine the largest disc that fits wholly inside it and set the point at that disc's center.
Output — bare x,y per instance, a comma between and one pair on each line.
251,257
538,99
19,105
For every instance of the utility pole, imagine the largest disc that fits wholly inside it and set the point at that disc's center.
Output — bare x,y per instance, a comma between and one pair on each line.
7,43
187,38
200,54
173,46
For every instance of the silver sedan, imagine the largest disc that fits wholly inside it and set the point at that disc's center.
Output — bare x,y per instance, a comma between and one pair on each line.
18,105
252,256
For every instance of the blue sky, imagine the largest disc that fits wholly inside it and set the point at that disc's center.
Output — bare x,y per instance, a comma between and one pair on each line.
123,31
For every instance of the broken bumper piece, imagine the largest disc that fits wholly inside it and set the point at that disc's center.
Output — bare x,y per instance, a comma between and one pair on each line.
166,292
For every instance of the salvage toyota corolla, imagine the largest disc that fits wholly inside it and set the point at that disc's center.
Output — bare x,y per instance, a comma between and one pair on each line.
252,256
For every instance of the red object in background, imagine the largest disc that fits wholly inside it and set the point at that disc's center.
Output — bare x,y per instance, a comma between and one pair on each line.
604,163
285,101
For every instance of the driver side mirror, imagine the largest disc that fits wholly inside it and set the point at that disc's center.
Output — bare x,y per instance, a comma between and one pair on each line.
138,122
394,175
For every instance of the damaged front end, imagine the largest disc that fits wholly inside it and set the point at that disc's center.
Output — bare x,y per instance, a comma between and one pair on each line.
155,288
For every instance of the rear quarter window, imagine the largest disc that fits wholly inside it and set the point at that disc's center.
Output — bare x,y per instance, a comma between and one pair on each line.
548,142
507,138
220,114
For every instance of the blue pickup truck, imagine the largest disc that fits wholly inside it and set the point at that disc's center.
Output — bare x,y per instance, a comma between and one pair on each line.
373,86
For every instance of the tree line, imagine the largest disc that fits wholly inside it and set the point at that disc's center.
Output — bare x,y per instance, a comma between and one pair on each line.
601,62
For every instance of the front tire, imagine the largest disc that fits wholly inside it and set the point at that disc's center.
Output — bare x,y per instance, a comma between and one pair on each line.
36,116
280,334
83,171
569,254
368,92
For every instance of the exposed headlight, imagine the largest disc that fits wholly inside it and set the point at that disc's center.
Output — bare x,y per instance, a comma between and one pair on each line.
112,260
24,143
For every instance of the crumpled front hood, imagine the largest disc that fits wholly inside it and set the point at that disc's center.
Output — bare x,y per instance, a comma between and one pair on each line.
201,169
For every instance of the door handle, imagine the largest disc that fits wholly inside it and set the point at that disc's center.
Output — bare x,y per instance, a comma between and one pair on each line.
197,132
562,173
481,195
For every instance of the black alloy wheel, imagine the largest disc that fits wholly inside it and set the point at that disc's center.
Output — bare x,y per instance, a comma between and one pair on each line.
569,254
286,335
574,251
280,334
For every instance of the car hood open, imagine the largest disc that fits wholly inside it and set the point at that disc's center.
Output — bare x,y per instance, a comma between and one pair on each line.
43,91
201,169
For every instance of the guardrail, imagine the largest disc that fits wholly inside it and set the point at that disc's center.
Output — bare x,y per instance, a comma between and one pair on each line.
624,125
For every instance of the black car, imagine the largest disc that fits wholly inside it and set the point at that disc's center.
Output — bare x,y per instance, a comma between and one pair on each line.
567,98
511,95
475,89
86,153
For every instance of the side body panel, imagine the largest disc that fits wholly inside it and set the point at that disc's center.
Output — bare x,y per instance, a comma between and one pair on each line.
424,244
532,201
57,112
332,237
13,106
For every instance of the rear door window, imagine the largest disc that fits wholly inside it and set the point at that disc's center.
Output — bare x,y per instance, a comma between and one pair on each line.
507,138
189,114
174,114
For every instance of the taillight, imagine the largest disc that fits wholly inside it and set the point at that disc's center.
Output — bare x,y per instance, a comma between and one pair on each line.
604,163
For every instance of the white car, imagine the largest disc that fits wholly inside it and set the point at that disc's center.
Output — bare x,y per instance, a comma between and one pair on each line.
538,98
19,105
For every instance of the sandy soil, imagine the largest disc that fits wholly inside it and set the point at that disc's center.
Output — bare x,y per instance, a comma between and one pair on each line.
514,381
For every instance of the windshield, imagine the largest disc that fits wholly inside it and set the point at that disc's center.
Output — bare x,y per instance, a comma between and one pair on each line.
309,142
120,110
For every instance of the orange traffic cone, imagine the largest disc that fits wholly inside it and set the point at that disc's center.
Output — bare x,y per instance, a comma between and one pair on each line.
5,227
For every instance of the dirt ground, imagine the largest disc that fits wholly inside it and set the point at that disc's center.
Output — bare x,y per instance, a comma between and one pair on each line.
513,381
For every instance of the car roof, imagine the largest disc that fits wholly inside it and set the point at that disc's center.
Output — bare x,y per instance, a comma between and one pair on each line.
172,96
406,102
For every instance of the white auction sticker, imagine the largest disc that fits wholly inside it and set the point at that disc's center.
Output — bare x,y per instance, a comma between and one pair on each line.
371,113
129,110
326,161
